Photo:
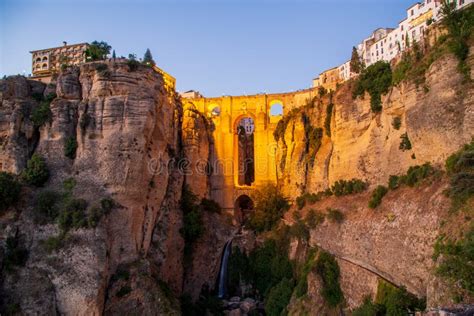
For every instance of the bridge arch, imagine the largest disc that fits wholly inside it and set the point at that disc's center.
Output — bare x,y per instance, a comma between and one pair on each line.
244,150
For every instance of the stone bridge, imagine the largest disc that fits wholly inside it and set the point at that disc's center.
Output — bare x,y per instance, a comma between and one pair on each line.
244,149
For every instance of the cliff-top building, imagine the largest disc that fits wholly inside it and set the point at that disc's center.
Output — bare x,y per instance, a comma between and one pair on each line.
387,43
45,62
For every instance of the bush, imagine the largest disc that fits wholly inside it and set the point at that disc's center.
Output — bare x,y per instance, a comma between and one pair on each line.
193,227
133,64
46,206
377,196
457,262
328,269
41,114
368,308
405,143
107,204
301,287
460,167
278,298
343,187
53,243
376,80
15,254
299,230
313,219
393,182
70,147
416,174
36,172
397,122
73,215
396,301
270,205
300,201
211,206
335,215
327,121
9,190
269,264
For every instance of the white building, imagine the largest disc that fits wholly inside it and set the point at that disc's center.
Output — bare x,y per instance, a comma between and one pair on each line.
387,43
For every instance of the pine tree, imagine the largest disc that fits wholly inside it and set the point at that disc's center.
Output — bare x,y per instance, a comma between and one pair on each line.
148,58
356,64
113,54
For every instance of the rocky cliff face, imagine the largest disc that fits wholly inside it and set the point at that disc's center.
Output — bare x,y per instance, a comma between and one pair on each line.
127,130
394,242
364,145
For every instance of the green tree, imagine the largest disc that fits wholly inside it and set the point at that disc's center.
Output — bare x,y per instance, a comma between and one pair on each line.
148,58
9,190
328,269
270,205
376,80
113,54
356,63
98,51
36,172
278,298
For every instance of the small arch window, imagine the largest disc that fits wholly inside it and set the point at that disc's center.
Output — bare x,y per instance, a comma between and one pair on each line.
45,58
276,109
45,66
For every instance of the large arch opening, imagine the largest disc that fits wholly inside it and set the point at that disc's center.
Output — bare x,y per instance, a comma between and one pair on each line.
246,160
243,207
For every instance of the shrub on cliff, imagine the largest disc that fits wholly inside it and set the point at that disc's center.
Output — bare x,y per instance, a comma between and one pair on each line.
457,261
335,215
193,227
279,298
73,215
405,143
328,270
416,174
313,219
397,122
70,147
36,172
270,205
46,206
15,254
376,80
460,167
327,120
344,187
377,196
41,114
9,190
459,24
396,301
368,308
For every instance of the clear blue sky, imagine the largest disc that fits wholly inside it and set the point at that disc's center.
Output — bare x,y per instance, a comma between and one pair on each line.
217,47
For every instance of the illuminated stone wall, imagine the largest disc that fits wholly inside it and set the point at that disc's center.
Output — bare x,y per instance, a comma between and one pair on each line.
225,114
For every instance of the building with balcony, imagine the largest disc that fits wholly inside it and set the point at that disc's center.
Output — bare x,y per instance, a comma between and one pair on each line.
46,62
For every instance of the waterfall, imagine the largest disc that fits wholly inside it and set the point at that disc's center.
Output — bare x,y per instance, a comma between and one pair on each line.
222,282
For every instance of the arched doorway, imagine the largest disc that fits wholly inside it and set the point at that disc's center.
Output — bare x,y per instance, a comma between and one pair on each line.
245,152
243,207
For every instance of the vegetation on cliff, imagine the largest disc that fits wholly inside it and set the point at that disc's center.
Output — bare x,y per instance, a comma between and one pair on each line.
270,205
9,190
376,80
36,172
